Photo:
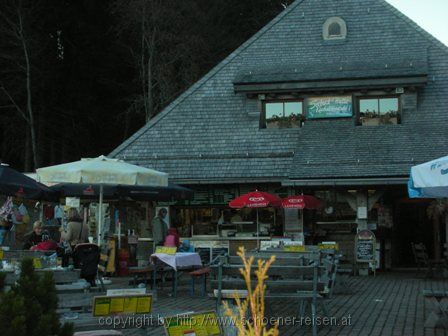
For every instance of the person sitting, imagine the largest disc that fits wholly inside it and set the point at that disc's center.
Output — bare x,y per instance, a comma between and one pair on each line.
47,244
185,246
172,238
236,217
34,237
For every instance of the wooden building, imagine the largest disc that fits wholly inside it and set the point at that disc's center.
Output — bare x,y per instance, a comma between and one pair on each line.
336,98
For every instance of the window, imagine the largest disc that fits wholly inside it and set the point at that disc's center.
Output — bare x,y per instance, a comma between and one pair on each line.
379,111
285,114
334,29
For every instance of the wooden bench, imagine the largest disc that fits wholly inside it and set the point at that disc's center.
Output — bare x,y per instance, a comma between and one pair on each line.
141,273
287,279
437,301
60,276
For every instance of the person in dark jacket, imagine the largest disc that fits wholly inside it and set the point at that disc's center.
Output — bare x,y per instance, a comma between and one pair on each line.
35,237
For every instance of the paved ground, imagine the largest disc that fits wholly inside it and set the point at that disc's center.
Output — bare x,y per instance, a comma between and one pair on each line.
388,304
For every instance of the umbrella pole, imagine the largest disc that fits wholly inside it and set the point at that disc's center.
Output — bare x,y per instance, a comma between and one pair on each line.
258,232
100,216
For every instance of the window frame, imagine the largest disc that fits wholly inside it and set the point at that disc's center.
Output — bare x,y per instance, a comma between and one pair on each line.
377,97
326,28
283,101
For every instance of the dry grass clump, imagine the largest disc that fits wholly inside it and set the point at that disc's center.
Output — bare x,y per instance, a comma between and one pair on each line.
255,325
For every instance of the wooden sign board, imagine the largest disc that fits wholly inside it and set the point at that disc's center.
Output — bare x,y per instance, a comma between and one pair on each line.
194,324
329,107
365,246
126,291
125,304
294,248
166,250
37,263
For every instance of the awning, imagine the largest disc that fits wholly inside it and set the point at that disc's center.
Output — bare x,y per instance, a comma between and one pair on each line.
347,182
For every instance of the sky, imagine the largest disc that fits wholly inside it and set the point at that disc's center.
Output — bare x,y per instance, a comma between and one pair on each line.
431,15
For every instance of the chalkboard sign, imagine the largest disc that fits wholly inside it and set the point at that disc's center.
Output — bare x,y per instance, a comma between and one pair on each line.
365,246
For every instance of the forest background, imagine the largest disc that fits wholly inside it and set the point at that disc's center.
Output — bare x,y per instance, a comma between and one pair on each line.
78,77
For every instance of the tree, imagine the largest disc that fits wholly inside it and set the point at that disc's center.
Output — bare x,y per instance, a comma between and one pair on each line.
29,308
16,20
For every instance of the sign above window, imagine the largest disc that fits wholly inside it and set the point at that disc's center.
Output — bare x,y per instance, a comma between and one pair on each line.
329,107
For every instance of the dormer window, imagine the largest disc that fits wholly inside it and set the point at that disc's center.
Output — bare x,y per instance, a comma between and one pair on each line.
282,114
334,29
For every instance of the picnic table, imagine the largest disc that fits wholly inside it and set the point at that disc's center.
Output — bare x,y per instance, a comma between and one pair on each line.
178,262
287,279
438,304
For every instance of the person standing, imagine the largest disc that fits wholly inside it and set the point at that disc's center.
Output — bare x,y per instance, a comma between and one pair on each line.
77,232
159,228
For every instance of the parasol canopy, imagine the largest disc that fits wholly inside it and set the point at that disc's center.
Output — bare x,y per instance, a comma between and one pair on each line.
13,183
429,180
256,199
103,171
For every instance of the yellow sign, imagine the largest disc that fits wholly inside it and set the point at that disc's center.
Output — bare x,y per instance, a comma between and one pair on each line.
198,324
166,250
129,304
1,254
37,263
329,246
294,248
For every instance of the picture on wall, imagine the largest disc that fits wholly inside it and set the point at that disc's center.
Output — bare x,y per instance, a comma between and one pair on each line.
329,107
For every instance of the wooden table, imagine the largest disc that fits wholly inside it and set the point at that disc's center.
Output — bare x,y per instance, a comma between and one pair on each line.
179,262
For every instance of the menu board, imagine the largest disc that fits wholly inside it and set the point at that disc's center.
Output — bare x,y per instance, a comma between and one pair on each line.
126,304
365,246
195,324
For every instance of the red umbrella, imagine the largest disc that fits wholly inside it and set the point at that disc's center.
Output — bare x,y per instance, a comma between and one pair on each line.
301,202
256,199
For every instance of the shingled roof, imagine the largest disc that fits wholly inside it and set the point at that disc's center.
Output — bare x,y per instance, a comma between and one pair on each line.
210,133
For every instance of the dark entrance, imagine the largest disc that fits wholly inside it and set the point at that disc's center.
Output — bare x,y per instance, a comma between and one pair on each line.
411,225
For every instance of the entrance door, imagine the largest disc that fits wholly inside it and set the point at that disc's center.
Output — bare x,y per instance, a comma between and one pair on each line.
411,225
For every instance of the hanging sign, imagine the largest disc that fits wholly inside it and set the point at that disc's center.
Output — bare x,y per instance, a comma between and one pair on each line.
166,249
73,202
194,324
365,246
329,107
125,304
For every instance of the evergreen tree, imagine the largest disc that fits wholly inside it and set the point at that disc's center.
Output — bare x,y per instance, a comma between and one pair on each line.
29,308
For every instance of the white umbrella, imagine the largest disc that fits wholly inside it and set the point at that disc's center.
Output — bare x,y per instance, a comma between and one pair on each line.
430,179
102,170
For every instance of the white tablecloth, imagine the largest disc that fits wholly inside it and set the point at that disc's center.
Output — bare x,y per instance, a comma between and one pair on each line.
179,259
